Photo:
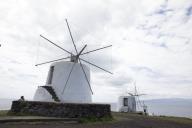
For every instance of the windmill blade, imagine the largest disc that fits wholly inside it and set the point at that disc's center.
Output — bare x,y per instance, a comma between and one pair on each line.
139,102
96,49
71,36
135,88
55,44
81,50
68,77
144,103
141,94
52,61
85,76
136,92
130,94
96,66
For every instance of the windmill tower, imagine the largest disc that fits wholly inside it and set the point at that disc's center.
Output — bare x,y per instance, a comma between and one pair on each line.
68,81
130,102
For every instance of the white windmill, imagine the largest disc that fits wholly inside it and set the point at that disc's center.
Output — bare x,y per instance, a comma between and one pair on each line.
130,102
68,81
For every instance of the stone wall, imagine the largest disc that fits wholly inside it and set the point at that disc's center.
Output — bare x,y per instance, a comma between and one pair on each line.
54,109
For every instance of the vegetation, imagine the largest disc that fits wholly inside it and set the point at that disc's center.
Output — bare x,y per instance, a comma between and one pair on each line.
182,120
121,115
3,112
116,117
94,119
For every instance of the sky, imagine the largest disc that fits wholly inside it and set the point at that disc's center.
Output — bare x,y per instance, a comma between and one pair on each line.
151,45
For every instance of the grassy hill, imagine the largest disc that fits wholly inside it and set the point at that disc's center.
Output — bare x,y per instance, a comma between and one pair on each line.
121,120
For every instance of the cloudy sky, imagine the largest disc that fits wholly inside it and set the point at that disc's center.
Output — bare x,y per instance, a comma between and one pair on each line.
151,44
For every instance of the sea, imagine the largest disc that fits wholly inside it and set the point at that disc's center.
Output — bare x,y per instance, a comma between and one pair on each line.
166,107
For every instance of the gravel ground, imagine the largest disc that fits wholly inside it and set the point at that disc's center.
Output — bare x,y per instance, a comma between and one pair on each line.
121,121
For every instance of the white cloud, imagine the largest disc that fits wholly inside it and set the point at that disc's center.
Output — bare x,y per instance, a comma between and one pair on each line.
151,44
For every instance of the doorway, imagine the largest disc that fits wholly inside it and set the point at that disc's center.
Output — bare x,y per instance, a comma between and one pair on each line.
51,75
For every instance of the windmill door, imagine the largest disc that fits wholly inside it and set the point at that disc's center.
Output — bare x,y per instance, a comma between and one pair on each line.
125,101
51,75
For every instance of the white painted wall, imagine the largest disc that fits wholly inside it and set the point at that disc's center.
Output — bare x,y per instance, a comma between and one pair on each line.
131,104
77,90
42,95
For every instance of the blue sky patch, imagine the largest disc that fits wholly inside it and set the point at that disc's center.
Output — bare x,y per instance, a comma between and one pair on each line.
189,11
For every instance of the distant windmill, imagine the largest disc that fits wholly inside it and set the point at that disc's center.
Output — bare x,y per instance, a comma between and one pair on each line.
129,103
67,81
136,95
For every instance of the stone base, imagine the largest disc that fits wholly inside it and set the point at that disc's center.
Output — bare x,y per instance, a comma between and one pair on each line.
65,110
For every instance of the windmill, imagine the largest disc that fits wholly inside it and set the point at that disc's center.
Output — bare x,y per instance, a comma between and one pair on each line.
138,101
68,81
137,95
129,103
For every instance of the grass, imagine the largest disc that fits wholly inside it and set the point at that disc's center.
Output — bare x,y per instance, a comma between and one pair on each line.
120,115
116,116
95,120
3,112
182,120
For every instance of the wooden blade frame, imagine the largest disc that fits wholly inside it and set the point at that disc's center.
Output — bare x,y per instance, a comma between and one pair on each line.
95,65
68,77
85,76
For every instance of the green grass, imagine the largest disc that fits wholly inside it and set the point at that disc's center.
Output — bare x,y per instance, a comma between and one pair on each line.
3,112
116,116
96,120
182,120
121,115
